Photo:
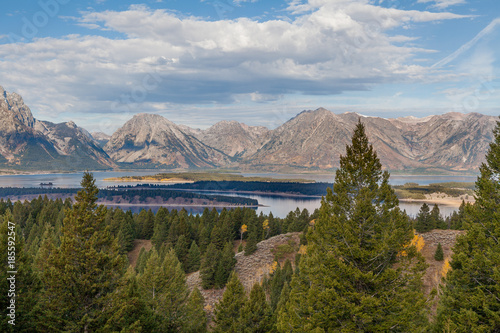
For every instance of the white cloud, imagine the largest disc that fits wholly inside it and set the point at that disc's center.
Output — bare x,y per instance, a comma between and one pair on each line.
441,4
168,60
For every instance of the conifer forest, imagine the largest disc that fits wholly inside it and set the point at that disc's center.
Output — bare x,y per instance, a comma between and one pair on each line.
65,266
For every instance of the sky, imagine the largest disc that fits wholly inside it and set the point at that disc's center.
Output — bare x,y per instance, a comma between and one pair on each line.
197,62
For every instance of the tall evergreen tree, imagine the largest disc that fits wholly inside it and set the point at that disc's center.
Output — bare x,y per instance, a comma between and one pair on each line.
228,310
424,222
196,318
348,279
251,245
194,258
225,266
23,289
209,267
437,220
256,314
471,298
161,226
127,311
84,270
164,289
181,251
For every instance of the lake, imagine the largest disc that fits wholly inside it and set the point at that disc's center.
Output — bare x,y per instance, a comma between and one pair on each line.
279,205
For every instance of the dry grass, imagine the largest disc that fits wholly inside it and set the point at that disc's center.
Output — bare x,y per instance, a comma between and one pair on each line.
432,277
138,245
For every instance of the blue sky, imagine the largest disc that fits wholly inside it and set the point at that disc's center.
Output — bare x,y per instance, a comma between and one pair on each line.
99,62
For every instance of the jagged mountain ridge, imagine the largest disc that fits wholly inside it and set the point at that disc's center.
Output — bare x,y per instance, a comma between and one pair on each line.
316,138
153,139
313,139
244,140
28,143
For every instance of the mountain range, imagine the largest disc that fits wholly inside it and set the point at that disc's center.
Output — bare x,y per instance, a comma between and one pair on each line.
312,140
30,144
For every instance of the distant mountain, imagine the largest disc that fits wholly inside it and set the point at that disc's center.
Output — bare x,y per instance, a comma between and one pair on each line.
310,139
452,141
101,138
153,140
315,139
29,144
233,138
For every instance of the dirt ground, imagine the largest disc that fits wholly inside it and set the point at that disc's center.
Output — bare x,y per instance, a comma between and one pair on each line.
138,245
433,275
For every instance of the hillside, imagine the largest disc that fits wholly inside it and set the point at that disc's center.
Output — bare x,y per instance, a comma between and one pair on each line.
250,269
253,268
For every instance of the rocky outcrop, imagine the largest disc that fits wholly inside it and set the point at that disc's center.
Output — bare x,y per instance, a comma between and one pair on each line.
154,140
27,143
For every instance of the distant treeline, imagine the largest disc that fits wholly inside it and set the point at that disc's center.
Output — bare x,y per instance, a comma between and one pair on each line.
130,194
316,189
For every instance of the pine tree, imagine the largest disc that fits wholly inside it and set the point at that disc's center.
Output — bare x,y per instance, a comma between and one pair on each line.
348,279
161,226
193,258
471,297
181,250
424,221
256,313
227,311
209,267
84,270
142,259
276,285
127,311
281,309
163,287
439,255
437,220
251,245
25,285
196,319
225,266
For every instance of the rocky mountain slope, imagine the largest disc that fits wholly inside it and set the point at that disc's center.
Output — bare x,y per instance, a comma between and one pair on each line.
101,138
310,140
29,144
233,138
315,139
153,140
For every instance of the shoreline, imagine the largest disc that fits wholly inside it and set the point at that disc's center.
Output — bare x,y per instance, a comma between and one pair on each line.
261,193
176,205
447,201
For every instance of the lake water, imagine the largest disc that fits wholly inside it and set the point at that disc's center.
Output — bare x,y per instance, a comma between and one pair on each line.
279,205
